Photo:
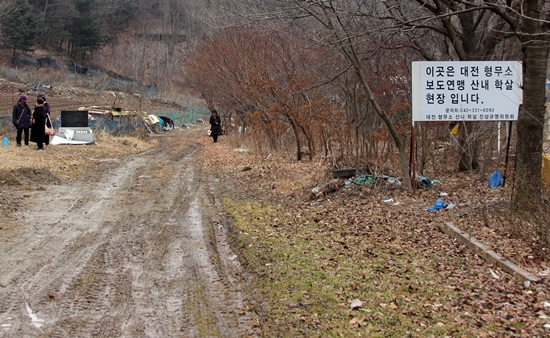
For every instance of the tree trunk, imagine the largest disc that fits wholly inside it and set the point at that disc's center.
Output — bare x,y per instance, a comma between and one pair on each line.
527,185
297,140
469,147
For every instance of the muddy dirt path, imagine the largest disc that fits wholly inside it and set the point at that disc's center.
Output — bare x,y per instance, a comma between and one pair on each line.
138,250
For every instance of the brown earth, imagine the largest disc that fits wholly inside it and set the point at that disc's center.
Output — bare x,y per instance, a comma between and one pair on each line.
119,239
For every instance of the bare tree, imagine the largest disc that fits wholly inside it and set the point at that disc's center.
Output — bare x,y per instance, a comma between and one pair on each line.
528,22
469,35
346,26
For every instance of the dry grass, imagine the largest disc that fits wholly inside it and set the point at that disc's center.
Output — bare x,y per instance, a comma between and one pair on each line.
69,161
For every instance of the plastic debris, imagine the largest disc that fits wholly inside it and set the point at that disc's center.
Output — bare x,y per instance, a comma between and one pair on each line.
361,180
394,181
389,200
495,180
356,304
423,182
439,204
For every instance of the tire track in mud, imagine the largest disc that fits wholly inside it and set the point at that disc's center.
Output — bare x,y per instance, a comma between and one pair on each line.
131,254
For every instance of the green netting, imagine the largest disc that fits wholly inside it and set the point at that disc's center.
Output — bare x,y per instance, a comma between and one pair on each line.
191,115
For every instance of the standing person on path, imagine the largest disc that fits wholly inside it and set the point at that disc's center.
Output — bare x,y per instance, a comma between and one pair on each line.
47,118
21,119
215,125
38,124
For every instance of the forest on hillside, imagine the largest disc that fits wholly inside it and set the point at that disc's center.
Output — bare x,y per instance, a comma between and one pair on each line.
328,78
142,40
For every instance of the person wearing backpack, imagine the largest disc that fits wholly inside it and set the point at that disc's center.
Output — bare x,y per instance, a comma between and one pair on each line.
21,118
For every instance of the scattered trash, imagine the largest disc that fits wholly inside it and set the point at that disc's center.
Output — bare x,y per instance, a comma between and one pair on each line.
495,180
356,304
344,173
389,200
423,182
316,190
394,181
360,180
544,272
443,194
494,274
450,206
434,182
439,204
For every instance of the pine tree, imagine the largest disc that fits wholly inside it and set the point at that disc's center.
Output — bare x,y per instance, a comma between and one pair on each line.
86,33
19,28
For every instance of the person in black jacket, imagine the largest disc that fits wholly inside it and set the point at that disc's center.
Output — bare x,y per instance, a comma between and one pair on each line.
47,117
21,119
38,124
215,125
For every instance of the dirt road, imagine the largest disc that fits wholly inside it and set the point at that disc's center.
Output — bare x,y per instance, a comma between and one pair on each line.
137,249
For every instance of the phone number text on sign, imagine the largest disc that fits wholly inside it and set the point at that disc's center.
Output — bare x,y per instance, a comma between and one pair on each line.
466,90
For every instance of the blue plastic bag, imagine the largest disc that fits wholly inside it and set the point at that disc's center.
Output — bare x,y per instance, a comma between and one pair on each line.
495,180
439,204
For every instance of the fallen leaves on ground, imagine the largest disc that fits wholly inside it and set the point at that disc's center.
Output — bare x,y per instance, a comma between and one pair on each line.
345,243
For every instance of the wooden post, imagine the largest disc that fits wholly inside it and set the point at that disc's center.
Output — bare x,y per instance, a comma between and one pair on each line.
507,154
412,163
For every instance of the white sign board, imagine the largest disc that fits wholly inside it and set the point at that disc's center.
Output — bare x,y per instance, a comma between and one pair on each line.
466,90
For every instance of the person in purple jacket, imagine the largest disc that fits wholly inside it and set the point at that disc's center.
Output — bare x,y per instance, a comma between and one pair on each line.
21,119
